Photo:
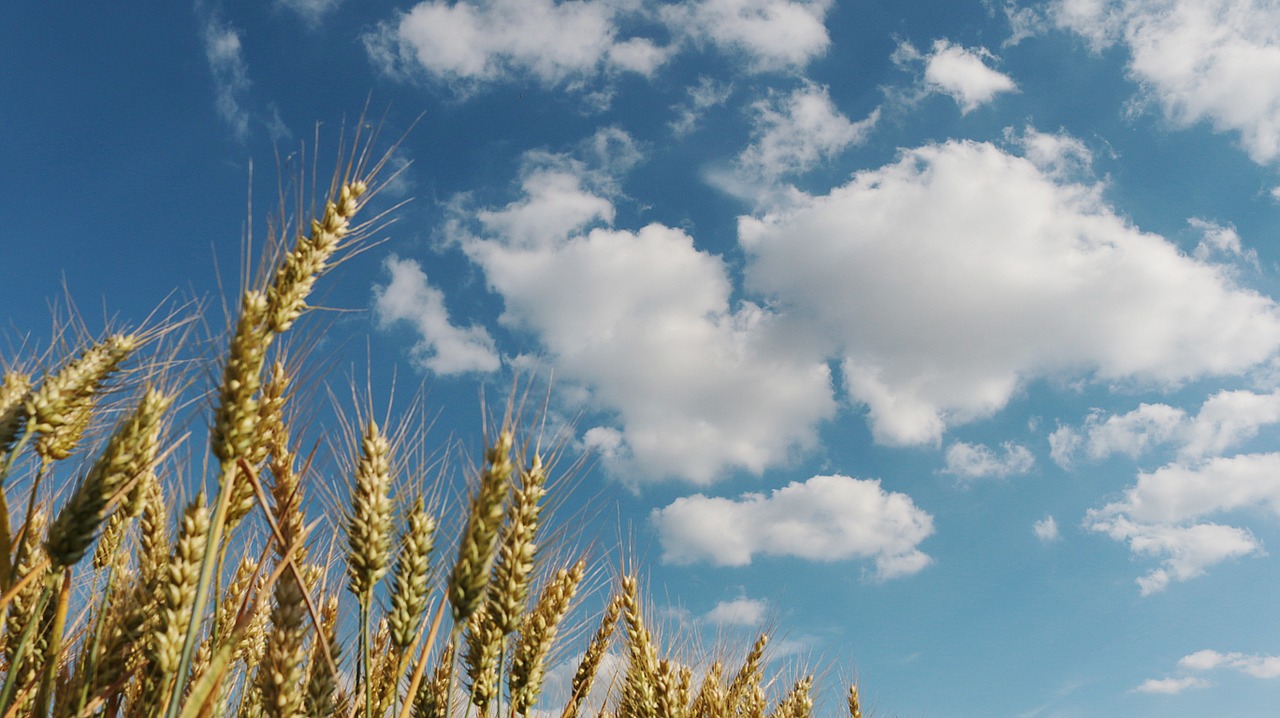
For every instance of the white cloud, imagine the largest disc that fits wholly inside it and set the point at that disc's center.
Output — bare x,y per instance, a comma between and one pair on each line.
1225,420
443,347
949,278
225,55
1058,155
1215,61
1046,529
738,612
1171,686
1185,551
978,461
827,518
702,97
1254,665
643,320
1258,666
772,34
1221,240
794,133
962,73
311,11
471,43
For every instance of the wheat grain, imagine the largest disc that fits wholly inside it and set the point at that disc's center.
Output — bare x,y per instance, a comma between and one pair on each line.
409,580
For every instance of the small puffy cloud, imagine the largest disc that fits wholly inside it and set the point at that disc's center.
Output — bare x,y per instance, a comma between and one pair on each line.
475,42
960,73
1171,686
442,348
827,518
1046,529
1056,154
1221,240
771,34
978,461
963,74
225,55
1225,420
793,133
948,279
1185,551
701,97
1199,60
738,612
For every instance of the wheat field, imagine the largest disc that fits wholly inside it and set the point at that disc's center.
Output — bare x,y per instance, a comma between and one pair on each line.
126,592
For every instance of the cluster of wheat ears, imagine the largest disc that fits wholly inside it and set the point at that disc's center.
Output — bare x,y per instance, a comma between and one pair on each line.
232,607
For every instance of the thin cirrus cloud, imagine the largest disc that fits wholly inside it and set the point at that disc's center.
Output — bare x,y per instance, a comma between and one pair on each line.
826,518
1233,82
1255,665
949,278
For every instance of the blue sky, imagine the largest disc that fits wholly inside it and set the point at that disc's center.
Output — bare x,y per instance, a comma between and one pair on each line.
942,335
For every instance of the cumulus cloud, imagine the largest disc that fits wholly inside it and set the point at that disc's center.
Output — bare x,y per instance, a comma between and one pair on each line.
443,348
978,461
1211,61
1221,240
961,73
1161,516
473,43
827,518
1225,420
947,279
738,612
771,34
225,55
1046,529
643,321
793,133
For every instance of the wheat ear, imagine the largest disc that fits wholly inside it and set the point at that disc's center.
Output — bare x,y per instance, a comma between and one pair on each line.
409,580
590,664
60,408
528,664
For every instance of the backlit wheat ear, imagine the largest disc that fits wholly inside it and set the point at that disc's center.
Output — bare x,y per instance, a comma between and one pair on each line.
431,699
586,673
480,537
510,588
483,641
59,410
671,689
13,410
297,273
409,582
369,530
855,706
129,452
797,703
322,684
528,664
22,609
639,698
711,700
177,596
749,675
236,416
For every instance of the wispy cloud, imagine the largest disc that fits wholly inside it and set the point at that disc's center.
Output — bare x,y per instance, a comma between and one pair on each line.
978,461
225,55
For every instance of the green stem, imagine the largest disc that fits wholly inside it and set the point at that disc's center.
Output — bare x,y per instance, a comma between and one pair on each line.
366,653
55,640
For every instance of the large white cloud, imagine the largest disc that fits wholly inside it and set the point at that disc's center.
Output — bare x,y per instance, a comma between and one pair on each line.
643,320
480,41
951,277
1200,60
443,348
771,34
1162,514
827,518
